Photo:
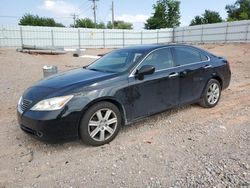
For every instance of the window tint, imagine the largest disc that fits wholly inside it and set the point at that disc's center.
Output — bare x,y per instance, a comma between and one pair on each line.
185,55
160,59
117,61
203,57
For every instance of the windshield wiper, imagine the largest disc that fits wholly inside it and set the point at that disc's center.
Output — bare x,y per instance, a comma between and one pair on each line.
99,70
93,69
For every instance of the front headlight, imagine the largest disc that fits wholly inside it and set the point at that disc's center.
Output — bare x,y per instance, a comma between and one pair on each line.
51,104
19,101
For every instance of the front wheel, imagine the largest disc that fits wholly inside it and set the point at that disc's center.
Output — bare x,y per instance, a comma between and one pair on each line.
100,124
212,94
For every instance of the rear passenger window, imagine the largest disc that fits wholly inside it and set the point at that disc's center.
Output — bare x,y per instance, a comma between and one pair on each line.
185,55
203,57
160,59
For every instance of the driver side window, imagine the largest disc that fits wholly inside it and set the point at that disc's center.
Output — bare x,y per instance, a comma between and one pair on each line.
160,59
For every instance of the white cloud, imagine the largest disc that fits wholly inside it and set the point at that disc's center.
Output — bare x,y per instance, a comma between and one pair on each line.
59,7
138,18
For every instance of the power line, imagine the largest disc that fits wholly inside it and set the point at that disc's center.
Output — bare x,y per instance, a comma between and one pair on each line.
86,9
83,4
4,16
105,19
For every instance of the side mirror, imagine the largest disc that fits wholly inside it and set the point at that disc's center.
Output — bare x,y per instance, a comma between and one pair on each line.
144,70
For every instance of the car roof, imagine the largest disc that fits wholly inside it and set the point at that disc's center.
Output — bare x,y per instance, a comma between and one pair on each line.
155,46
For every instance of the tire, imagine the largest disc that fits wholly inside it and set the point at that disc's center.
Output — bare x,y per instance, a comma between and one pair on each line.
100,124
211,94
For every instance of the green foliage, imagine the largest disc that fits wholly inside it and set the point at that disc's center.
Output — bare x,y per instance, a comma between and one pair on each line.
240,10
109,25
120,25
166,15
101,25
32,20
207,18
198,20
86,23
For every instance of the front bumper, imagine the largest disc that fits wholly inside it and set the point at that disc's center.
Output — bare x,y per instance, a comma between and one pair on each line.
49,126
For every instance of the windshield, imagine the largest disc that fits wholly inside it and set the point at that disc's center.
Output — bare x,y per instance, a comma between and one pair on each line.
117,61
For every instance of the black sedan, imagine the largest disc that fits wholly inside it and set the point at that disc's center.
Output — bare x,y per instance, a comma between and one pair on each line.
124,85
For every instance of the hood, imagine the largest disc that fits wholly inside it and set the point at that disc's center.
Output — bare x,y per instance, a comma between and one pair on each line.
76,76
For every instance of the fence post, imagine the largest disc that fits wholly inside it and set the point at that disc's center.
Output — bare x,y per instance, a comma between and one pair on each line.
79,39
157,33
173,39
141,37
226,37
183,30
247,31
103,38
21,35
202,33
123,38
52,37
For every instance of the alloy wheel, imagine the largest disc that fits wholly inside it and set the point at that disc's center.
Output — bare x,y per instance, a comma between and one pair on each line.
102,124
213,93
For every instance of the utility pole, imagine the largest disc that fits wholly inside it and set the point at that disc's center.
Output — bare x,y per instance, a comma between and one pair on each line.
94,10
113,15
74,18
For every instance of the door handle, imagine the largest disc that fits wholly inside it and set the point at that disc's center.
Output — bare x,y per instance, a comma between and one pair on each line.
174,74
208,66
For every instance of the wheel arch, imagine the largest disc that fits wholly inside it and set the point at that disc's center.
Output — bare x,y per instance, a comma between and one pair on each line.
219,79
112,100
215,77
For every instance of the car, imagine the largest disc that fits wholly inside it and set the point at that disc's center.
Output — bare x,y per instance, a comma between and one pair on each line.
123,86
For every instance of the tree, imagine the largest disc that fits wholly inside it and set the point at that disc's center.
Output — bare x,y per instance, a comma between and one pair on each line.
32,20
166,15
100,25
240,10
198,20
86,23
120,25
207,18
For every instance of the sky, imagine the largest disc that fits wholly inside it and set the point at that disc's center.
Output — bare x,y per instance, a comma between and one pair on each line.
134,11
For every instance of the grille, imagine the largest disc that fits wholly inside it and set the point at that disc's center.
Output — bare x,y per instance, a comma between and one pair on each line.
25,104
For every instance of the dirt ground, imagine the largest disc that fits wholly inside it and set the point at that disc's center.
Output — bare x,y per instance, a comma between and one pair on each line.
185,147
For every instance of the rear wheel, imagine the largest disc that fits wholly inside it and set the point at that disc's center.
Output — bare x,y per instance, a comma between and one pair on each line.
212,94
100,124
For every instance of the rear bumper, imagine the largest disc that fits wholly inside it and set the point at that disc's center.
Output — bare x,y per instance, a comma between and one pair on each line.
50,128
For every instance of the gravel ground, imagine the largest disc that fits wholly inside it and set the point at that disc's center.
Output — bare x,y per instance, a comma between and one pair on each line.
185,147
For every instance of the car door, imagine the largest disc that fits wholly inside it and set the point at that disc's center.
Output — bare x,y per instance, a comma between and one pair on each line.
194,70
158,91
